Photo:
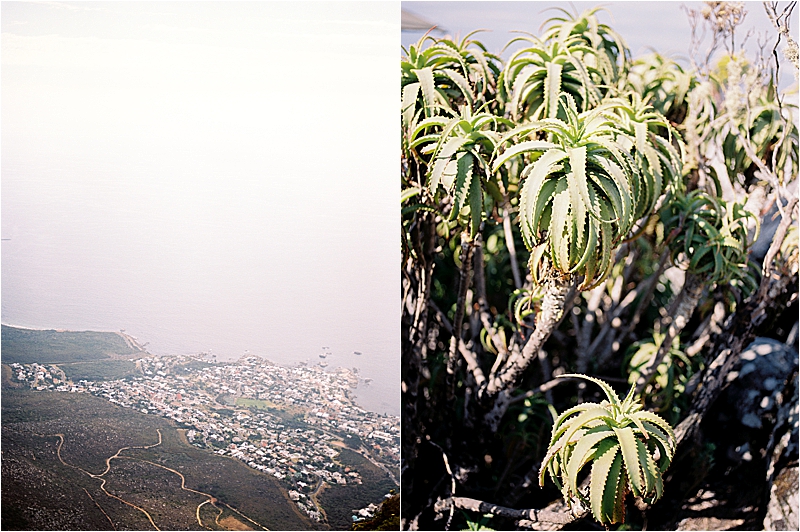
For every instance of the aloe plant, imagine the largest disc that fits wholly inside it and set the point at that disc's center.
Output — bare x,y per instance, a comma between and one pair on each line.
535,76
763,126
657,149
581,194
671,376
787,256
612,52
444,137
709,240
663,84
440,74
628,448
709,237
752,129
576,55
459,148
577,200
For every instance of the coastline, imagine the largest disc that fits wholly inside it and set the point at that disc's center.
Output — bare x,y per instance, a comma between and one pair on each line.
364,395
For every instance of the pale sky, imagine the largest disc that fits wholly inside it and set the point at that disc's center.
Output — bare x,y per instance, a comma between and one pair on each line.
205,175
661,25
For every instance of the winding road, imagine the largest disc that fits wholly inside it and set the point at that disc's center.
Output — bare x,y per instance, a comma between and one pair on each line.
313,498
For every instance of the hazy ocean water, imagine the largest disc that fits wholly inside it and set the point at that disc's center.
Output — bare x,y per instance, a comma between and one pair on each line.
81,253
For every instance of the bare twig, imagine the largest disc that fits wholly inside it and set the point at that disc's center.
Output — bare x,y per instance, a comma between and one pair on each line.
452,482
512,248
518,490
479,282
711,325
777,240
549,385
533,515
547,372
767,173
609,325
469,356
647,295
590,319
467,245
689,297
781,23
419,275
721,18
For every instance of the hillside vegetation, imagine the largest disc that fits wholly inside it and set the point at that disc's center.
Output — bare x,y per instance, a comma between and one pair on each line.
39,492
27,346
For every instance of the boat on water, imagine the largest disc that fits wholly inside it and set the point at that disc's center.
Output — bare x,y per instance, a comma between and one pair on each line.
323,355
323,364
356,352
367,381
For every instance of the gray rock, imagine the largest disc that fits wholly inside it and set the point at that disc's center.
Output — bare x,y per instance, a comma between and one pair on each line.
769,225
783,500
709,523
782,471
751,420
765,367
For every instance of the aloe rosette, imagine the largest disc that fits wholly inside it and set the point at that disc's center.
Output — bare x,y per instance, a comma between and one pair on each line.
710,237
662,83
535,76
657,157
576,55
611,52
577,200
459,147
441,73
629,450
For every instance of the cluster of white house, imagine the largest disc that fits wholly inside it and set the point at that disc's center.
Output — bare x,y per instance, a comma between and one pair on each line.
286,422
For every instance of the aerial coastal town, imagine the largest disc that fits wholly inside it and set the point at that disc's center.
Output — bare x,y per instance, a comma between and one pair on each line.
289,422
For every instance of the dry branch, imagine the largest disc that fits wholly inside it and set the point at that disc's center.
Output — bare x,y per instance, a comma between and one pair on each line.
533,515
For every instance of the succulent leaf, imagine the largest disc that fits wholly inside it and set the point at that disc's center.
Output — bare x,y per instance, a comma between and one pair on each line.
622,443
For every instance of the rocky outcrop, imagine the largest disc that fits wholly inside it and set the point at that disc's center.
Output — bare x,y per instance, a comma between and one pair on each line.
758,384
782,471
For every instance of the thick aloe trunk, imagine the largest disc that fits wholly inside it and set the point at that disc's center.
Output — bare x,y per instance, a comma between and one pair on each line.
506,379
688,299
552,310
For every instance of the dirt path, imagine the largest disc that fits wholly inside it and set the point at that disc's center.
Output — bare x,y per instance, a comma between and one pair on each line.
101,508
197,513
210,498
183,484
149,517
108,460
108,468
241,514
